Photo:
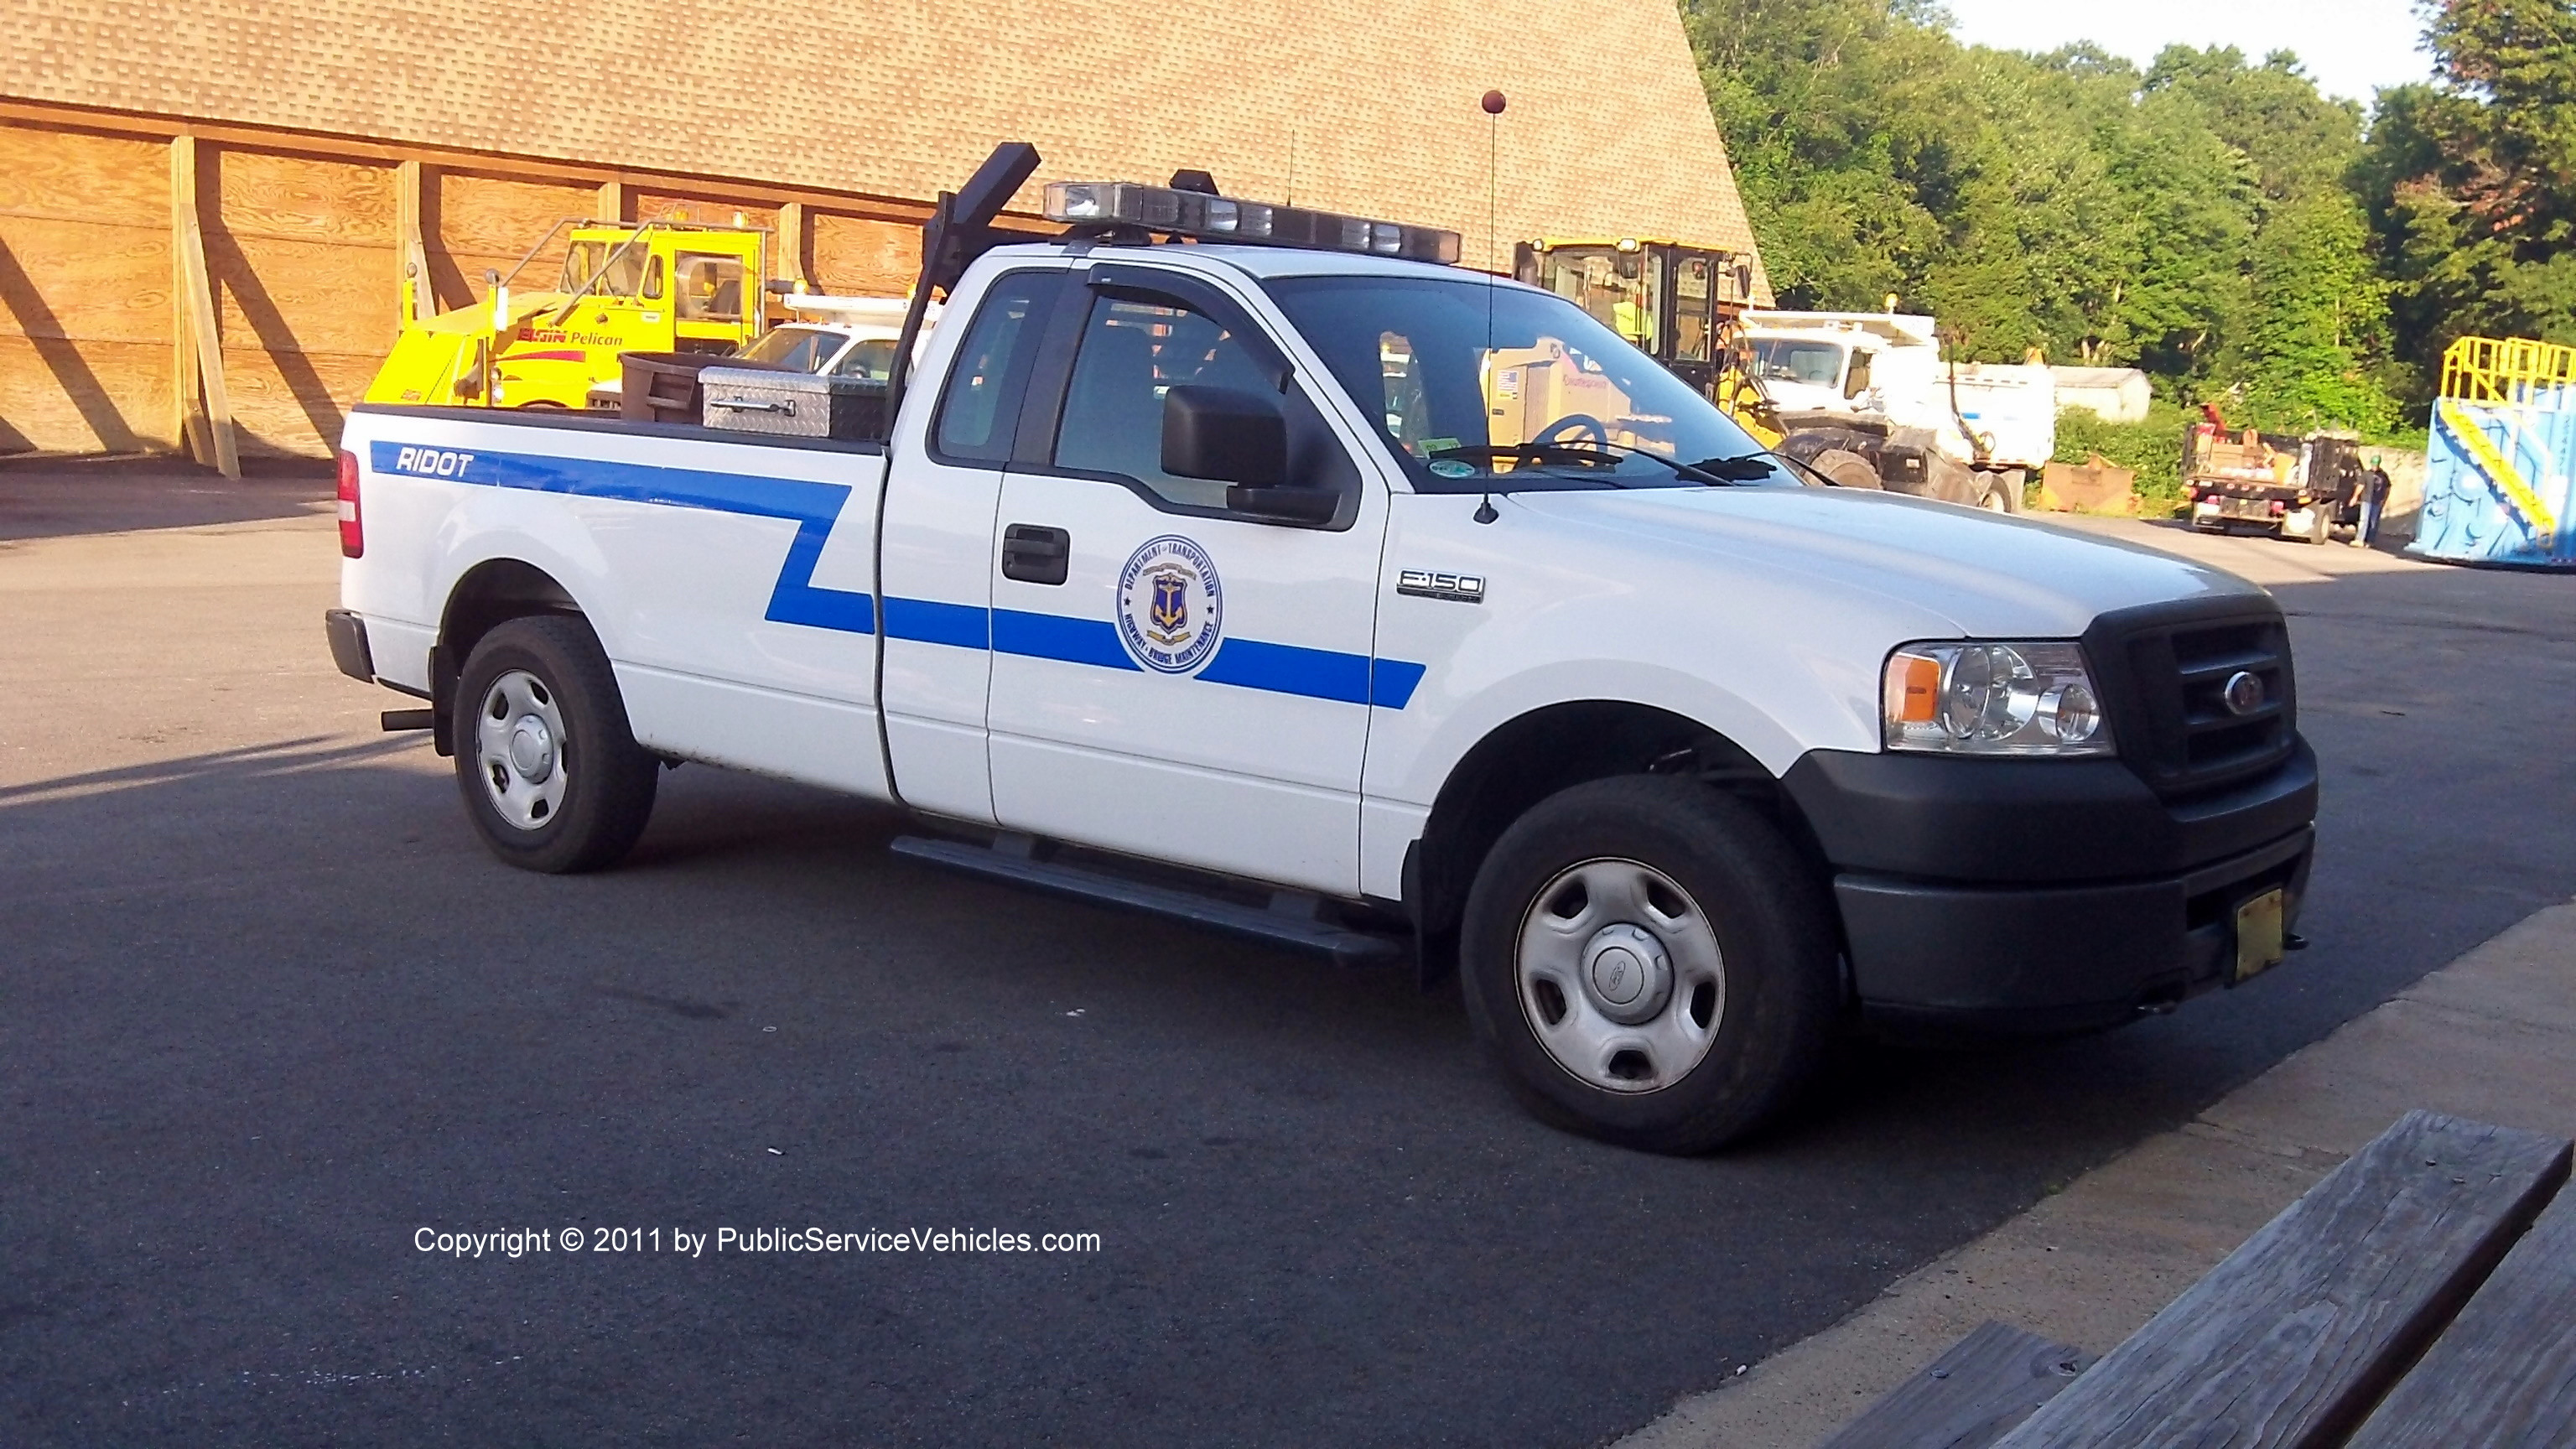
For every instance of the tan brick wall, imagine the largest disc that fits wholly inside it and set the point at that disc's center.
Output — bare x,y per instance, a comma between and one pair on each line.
1369,107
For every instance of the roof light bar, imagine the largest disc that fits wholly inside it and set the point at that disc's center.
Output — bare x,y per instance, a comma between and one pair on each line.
1225,218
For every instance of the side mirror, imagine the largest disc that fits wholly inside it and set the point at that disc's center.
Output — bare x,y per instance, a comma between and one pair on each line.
1241,439
1224,435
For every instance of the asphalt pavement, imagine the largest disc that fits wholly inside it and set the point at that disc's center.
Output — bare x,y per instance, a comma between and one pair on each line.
268,1011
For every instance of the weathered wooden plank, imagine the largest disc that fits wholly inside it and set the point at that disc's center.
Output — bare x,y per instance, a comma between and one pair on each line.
72,279
296,296
701,211
72,176
2293,1339
1969,1397
787,250
295,402
413,299
202,343
154,133
64,395
303,198
2503,1375
486,216
860,258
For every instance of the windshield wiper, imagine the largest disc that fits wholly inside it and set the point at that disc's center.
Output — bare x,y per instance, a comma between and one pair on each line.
1585,453
1716,472
1749,468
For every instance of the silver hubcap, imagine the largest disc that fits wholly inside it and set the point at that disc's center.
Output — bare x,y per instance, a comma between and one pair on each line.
1620,976
519,748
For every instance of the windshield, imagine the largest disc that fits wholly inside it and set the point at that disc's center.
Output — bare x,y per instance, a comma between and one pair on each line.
805,349
584,259
1489,387
1783,359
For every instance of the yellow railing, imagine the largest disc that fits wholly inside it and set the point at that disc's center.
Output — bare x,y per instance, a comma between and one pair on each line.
2511,372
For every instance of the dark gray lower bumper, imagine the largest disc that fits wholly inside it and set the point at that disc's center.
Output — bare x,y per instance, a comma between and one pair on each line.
349,644
2056,958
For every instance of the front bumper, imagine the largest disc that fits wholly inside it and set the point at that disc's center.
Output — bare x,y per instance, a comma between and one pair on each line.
2044,896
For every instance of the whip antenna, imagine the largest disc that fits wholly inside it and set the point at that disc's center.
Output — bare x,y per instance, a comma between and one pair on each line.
1493,104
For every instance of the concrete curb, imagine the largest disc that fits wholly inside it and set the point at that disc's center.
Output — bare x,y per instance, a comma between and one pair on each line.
2492,1036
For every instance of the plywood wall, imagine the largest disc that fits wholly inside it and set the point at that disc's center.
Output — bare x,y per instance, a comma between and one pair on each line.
85,347
301,253
301,250
855,257
479,224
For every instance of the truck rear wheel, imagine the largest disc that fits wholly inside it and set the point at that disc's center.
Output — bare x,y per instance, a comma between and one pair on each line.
551,775
1649,963
1846,469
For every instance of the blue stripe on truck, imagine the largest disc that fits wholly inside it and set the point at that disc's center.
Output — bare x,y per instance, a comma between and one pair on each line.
815,507
797,599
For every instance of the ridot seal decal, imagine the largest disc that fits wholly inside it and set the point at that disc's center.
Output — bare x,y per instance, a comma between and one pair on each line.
1170,606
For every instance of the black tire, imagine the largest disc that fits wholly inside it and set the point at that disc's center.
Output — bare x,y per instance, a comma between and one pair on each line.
1846,469
601,781
2003,492
1775,1006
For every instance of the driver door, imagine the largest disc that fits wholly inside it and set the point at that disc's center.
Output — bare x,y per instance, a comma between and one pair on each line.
1171,677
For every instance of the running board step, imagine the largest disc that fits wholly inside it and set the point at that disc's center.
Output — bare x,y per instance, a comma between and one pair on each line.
1292,920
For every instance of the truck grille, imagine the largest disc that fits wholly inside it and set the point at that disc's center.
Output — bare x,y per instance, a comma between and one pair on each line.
2166,669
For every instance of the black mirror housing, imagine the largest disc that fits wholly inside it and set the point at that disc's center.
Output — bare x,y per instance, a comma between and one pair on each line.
1226,436
1315,506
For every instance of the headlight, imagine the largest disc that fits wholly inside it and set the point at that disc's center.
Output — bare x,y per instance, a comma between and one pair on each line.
1993,699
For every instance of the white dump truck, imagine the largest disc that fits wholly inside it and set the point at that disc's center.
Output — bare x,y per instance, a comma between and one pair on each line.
1869,400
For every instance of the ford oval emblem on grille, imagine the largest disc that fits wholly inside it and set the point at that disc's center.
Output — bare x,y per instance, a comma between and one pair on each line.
2244,693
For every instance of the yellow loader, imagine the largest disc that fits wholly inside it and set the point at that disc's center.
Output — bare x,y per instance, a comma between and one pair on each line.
663,286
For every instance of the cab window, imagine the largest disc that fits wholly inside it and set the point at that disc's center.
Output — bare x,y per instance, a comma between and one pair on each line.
979,416
1816,364
582,263
872,359
802,348
1693,288
1132,353
710,287
1858,382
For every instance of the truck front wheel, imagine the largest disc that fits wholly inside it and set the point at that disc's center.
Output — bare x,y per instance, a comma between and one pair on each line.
551,775
1650,963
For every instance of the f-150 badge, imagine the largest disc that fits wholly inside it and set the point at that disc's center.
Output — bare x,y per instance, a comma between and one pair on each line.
1431,584
1170,606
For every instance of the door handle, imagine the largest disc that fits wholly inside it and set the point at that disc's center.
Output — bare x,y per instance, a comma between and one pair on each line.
1035,554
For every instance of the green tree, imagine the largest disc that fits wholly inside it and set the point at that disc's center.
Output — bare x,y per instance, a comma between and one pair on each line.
2318,321
2193,218
2470,182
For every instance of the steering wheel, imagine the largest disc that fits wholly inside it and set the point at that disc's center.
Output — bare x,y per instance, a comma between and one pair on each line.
1583,423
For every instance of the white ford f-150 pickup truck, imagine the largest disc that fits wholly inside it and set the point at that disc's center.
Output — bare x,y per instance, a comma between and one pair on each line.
1328,594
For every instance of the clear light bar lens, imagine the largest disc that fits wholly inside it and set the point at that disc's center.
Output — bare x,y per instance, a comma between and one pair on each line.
1225,218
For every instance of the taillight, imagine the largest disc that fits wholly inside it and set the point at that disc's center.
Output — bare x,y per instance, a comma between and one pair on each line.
353,530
